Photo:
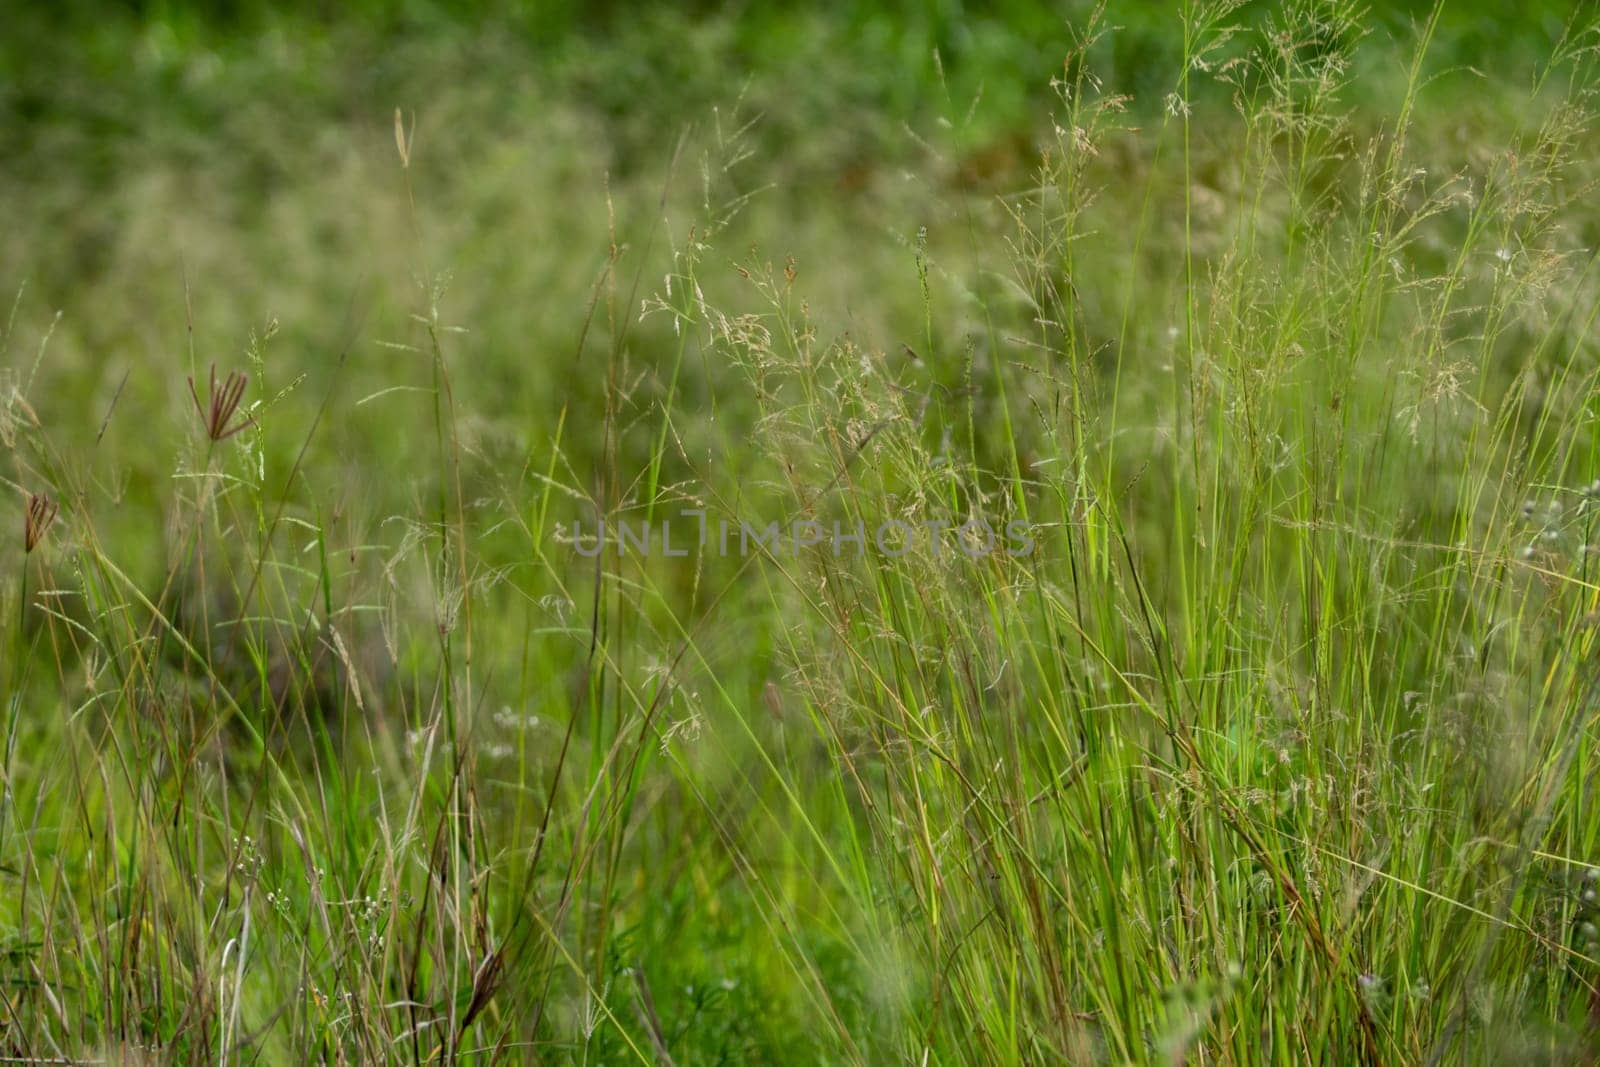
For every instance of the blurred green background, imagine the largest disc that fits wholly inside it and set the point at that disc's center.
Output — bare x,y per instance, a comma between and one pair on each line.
178,178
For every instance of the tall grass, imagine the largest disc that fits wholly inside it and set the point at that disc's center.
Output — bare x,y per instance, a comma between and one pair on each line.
1276,747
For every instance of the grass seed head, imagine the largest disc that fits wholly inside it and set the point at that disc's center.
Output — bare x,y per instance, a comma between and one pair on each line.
222,404
41,513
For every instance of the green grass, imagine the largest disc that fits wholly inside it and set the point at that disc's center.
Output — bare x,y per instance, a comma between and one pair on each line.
326,741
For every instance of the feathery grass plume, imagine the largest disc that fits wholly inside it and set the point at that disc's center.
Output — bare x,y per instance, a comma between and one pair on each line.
222,404
41,513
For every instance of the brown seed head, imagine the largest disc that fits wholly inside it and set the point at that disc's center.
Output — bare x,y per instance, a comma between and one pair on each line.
41,513
223,403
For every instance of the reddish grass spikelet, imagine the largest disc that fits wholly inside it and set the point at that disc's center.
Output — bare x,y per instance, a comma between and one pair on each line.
41,513
223,404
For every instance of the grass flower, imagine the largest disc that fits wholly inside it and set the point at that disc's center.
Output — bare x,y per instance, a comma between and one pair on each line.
222,404
41,513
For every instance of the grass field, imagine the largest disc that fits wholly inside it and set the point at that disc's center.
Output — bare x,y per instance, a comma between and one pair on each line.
867,534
